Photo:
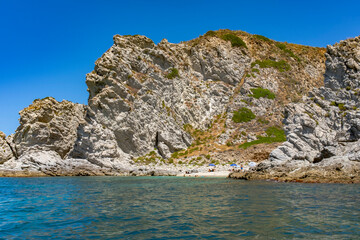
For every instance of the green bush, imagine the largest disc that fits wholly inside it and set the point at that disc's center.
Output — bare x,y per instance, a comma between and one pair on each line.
210,33
281,66
342,107
288,51
243,115
262,92
235,40
262,38
175,155
255,70
173,73
274,134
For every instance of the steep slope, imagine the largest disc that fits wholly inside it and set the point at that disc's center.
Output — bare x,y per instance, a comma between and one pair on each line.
323,130
218,98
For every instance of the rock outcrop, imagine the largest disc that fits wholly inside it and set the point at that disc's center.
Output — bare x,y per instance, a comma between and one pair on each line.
160,108
145,96
5,150
48,125
323,131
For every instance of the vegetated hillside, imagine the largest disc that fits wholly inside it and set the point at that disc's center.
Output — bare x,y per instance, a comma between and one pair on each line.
218,98
323,137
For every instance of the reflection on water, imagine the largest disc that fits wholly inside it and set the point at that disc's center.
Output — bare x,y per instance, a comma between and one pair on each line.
175,208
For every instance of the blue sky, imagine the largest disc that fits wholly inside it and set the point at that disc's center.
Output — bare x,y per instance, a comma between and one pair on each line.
47,47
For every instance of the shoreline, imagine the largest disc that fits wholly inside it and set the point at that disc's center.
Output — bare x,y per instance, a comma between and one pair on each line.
219,174
244,176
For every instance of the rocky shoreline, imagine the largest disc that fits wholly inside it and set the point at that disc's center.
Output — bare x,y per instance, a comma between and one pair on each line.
225,97
322,131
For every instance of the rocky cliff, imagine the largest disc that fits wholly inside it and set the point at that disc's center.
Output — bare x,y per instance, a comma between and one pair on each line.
160,108
322,130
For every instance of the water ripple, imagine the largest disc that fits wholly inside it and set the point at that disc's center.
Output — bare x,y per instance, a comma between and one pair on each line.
175,208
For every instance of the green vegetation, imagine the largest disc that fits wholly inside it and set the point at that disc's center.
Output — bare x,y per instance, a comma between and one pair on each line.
262,92
288,51
341,106
255,70
243,115
211,33
173,73
281,66
262,38
235,40
148,158
188,128
246,102
274,134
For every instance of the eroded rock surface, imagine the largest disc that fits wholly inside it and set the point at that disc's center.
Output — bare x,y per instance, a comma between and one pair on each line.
48,125
5,150
323,131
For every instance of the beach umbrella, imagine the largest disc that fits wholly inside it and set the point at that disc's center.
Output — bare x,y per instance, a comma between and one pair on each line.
212,165
233,165
252,164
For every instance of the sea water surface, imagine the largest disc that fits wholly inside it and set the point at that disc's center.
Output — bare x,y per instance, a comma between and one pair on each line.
175,208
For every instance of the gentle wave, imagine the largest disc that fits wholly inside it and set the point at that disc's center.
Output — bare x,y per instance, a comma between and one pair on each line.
175,208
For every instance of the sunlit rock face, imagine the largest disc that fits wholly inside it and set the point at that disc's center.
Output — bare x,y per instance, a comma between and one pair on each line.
323,130
48,125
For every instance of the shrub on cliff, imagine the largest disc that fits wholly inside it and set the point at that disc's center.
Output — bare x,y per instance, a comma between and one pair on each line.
260,37
243,115
173,73
288,51
274,134
210,33
281,65
235,40
262,92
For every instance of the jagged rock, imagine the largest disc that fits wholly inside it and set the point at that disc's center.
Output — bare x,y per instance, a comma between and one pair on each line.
50,163
5,150
48,125
324,128
131,95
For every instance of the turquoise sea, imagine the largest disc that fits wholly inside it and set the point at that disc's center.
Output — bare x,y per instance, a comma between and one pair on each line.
175,208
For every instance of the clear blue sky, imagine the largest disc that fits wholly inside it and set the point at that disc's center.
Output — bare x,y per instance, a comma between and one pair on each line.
48,46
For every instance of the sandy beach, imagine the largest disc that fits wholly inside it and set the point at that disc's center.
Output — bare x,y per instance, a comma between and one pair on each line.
222,174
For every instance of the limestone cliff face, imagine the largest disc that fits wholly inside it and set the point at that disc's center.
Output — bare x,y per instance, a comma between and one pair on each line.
145,96
48,125
323,130
5,150
166,105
